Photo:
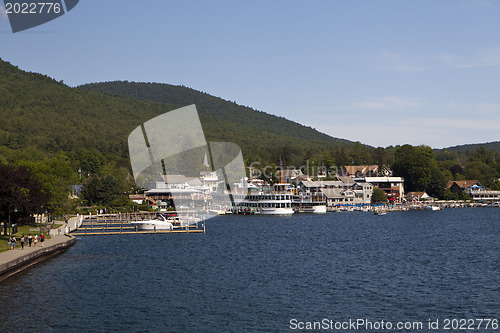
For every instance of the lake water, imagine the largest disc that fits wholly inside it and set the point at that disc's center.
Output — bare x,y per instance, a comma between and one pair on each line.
269,274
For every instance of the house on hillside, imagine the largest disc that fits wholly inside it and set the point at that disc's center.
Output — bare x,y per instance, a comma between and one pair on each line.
460,186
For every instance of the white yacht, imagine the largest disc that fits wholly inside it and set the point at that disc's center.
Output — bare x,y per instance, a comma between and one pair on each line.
161,222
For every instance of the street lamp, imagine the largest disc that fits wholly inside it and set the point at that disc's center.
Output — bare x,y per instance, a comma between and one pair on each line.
10,224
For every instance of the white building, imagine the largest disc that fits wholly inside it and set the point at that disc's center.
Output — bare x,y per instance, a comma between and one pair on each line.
392,186
484,195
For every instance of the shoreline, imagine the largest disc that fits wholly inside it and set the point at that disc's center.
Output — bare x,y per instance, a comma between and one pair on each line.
17,260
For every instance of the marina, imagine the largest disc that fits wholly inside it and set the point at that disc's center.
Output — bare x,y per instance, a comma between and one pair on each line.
139,223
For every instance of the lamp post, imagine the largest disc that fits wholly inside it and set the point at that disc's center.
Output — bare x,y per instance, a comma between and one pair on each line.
10,224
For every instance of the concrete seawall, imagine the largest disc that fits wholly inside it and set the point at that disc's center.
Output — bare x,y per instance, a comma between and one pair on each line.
14,261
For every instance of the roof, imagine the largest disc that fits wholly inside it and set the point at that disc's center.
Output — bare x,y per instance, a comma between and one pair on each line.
418,195
383,179
194,181
332,193
325,183
174,179
346,179
364,169
172,191
463,183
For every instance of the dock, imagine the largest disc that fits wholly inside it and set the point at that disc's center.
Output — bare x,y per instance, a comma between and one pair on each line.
121,224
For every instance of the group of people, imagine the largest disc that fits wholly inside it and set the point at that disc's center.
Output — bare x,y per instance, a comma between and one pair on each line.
30,239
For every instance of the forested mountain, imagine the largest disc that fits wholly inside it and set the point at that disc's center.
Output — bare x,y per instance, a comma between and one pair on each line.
262,136
470,148
42,113
213,106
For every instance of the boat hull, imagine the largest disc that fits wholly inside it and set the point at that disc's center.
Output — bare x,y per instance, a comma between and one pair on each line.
154,225
320,209
276,211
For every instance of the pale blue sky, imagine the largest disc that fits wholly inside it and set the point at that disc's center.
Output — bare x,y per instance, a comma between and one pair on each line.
381,72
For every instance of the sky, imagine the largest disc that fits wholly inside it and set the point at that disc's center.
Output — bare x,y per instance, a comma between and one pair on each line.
379,72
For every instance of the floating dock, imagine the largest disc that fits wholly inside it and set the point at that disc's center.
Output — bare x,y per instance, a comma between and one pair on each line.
121,223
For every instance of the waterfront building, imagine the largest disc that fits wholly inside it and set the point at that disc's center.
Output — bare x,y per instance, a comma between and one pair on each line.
392,186
482,194
460,186
340,192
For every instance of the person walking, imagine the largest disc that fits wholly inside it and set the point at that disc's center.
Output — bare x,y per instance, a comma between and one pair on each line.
30,239
12,243
35,240
22,242
42,239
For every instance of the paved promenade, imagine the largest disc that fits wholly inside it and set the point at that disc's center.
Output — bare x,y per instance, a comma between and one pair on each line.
14,261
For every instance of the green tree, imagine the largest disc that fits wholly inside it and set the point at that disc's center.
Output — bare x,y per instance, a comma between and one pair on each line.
378,196
19,191
101,191
485,173
416,164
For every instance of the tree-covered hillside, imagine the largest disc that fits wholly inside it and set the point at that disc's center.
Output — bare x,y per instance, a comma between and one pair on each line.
262,137
209,105
471,148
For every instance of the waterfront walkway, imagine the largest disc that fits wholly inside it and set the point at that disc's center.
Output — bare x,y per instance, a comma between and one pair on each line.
14,261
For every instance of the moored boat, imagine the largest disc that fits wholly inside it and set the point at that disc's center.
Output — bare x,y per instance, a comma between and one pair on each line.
432,207
161,222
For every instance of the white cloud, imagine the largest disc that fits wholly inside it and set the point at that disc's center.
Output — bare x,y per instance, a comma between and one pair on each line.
484,58
387,103
485,110
3,14
405,62
436,130
400,62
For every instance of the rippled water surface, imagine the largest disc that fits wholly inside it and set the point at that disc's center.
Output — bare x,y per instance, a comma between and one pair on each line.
257,273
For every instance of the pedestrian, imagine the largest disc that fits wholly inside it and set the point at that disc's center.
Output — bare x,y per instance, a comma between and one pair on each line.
12,243
35,240
30,239
22,242
42,239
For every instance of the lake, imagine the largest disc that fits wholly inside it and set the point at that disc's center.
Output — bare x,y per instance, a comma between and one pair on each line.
270,274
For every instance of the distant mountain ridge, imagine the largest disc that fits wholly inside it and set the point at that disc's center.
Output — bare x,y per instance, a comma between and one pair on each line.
493,146
212,106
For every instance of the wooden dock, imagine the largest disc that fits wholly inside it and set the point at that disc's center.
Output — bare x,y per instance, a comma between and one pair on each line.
121,223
